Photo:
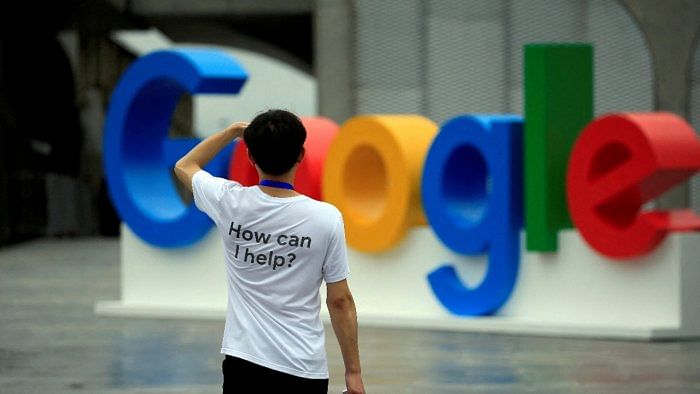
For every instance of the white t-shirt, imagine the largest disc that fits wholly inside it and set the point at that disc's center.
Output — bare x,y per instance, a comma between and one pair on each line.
277,251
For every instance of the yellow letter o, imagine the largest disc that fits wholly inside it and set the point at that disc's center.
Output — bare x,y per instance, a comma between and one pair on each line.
372,174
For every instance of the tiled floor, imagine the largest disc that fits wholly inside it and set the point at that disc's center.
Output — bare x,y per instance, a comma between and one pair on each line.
52,342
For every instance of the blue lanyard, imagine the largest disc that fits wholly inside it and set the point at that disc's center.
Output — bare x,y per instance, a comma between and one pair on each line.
277,184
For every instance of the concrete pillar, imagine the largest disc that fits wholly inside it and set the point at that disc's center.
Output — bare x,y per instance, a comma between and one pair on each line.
334,61
670,28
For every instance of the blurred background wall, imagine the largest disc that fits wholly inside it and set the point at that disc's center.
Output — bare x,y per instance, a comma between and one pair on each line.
59,62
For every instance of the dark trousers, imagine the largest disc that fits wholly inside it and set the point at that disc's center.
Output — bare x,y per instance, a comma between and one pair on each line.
241,376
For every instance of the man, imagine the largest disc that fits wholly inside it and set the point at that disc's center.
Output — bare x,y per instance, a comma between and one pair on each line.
279,247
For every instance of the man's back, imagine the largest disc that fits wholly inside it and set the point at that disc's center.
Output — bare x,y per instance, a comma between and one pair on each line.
278,251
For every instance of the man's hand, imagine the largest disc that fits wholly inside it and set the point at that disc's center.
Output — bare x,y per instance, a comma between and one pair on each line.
353,383
236,129
200,155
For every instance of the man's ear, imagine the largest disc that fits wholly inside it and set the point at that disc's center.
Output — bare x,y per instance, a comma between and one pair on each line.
250,157
301,155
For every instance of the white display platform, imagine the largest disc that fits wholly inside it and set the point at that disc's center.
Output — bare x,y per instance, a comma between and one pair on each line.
574,292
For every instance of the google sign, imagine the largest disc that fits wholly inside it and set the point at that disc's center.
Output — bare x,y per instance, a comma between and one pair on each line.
477,180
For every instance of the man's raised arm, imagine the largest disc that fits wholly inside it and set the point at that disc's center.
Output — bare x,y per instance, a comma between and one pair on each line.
200,155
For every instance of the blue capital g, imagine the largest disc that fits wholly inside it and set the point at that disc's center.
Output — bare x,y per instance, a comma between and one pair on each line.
138,156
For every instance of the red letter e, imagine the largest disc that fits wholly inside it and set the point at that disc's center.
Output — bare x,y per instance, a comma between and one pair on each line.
621,161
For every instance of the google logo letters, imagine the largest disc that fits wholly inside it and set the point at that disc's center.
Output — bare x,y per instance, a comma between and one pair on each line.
477,180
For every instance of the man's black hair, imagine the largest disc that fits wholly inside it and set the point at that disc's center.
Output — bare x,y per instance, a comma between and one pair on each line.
275,139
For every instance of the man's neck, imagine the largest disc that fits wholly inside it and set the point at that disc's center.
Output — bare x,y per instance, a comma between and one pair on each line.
276,191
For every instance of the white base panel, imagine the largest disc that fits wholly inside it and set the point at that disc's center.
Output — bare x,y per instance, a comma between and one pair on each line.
574,292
